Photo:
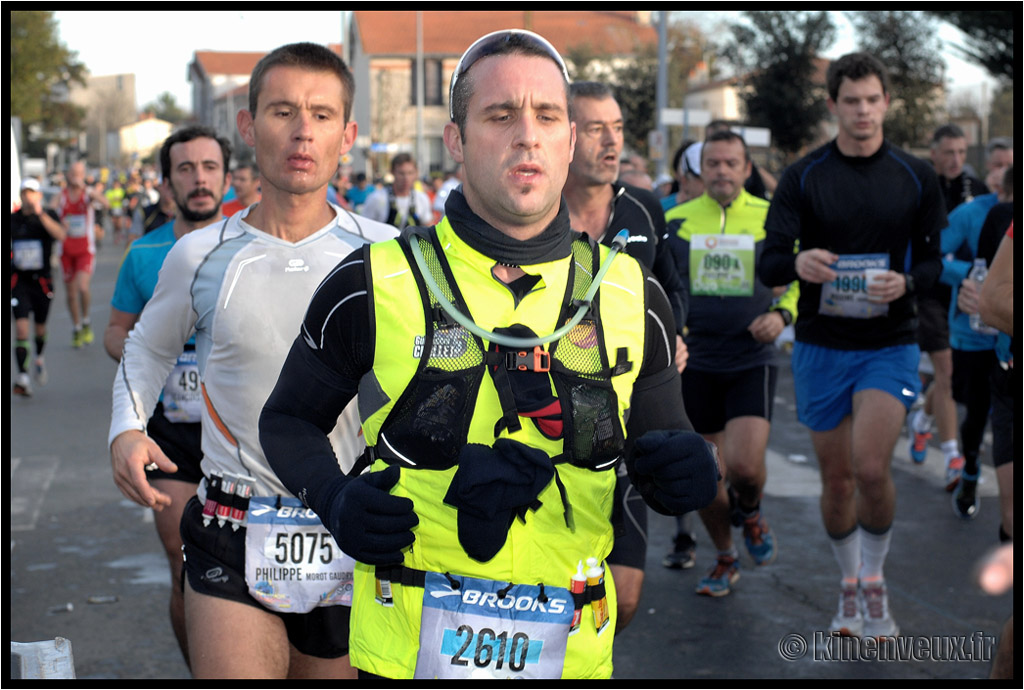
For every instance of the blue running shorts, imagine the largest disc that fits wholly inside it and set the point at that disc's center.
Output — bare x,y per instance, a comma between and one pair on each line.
826,379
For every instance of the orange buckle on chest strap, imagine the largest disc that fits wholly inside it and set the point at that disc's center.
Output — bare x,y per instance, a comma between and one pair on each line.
526,360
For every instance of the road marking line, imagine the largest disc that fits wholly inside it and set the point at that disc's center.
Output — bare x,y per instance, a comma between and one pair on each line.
30,481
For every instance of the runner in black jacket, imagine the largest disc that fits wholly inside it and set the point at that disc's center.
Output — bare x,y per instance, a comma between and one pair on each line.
600,207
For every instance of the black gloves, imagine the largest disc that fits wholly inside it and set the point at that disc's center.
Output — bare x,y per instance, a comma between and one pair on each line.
370,524
491,487
675,471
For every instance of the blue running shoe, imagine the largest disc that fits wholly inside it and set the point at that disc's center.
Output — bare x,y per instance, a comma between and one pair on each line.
759,539
919,446
965,498
718,582
954,469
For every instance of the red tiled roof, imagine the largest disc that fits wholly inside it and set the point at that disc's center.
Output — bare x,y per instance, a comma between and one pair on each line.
215,62
451,32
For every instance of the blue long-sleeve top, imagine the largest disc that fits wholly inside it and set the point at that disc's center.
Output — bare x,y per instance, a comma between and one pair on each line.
965,223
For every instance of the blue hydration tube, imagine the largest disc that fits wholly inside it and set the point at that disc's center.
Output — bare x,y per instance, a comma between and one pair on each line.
618,244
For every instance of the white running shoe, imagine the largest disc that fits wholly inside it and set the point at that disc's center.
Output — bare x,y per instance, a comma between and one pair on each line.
22,385
848,621
877,621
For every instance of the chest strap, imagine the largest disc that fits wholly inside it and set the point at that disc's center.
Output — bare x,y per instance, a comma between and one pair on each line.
410,577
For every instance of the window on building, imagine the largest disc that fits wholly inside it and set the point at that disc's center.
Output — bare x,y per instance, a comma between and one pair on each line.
433,84
436,151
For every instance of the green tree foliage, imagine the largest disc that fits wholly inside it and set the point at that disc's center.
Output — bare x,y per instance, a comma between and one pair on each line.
42,68
989,38
635,82
775,52
907,43
636,88
165,107
688,48
1001,120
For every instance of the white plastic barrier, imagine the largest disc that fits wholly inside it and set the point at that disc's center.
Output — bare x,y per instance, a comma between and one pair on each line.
42,660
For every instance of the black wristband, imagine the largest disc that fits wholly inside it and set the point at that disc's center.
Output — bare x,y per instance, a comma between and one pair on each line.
786,314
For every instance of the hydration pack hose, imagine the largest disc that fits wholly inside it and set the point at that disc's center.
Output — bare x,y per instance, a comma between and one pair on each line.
618,244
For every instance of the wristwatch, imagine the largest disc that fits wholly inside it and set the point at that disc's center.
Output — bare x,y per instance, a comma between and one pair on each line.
909,280
786,314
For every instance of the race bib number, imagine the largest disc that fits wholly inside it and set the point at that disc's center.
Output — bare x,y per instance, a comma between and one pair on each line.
78,225
847,295
722,265
485,629
183,396
28,255
292,563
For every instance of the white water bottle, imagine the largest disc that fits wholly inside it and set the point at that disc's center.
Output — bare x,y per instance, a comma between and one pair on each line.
978,274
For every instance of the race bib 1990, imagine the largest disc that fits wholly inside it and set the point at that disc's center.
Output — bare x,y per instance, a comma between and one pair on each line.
485,629
847,295
292,563
722,265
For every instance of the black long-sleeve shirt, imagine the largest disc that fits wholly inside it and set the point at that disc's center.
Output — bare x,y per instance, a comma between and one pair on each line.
887,203
640,212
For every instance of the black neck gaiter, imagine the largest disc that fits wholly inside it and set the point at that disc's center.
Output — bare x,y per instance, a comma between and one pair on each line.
554,243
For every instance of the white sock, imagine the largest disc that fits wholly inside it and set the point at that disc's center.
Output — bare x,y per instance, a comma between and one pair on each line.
921,422
847,552
874,548
950,449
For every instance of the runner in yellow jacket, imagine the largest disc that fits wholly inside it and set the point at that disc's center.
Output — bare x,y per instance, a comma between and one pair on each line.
505,366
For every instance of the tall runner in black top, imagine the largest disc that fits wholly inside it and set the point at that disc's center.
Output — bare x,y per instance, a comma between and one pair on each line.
867,217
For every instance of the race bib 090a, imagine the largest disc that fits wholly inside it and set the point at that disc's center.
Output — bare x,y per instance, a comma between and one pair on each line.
722,265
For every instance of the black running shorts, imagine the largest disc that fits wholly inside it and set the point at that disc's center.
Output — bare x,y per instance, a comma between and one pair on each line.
31,296
712,399
181,442
1004,428
932,324
215,566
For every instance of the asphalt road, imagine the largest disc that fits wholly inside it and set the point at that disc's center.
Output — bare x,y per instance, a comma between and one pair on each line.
85,564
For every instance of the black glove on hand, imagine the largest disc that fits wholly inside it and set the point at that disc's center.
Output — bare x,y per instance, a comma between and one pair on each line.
675,471
370,524
492,486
